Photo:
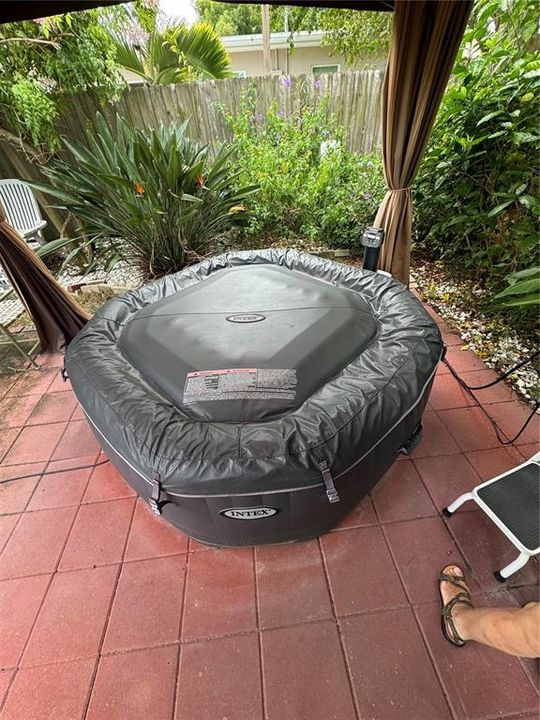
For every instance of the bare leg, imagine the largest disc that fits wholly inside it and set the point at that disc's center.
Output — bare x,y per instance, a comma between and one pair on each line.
515,631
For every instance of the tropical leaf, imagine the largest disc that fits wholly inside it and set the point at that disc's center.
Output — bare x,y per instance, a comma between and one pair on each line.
177,54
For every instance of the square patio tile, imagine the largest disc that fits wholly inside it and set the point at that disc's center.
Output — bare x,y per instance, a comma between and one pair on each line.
436,440
510,418
291,584
151,536
147,604
498,393
392,674
480,682
106,483
61,489
528,450
470,428
71,622
35,444
53,407
7,438
220,594
36,543
20,600
304,674
401,495
220,679
7,523
78,440
78,413
33,382
99,534
53,692
135,686
446,477
421,548
59,384
15,411
6,382
14,496
463,360
487,549
495,461
448,393
50,360
360,516
451,339
361,572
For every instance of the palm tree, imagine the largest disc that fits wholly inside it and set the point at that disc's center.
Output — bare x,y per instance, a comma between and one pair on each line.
177,54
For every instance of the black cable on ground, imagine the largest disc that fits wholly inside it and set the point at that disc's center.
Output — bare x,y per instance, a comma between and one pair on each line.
55,472
502,377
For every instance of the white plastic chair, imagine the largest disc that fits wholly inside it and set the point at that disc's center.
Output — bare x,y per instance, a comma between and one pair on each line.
22,210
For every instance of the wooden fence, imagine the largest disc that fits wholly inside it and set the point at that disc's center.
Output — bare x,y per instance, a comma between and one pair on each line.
354,99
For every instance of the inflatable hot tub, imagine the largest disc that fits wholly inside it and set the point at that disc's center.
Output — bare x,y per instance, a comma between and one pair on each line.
257,397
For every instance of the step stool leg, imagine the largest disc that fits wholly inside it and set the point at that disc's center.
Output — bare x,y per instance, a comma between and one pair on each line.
512,567
451,509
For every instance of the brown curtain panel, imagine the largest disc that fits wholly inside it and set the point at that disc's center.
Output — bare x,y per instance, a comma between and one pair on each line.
56,316
425,42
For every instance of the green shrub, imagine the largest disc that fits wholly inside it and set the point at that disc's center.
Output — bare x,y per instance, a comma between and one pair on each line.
476,196
523,289
153,196
326,197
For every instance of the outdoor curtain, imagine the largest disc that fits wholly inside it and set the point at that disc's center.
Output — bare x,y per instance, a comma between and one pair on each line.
425,42
56,316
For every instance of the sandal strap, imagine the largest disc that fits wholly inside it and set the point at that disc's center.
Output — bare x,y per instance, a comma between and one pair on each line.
456,580
465,599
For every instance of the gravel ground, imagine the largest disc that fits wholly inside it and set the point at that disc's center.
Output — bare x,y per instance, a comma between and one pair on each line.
488,333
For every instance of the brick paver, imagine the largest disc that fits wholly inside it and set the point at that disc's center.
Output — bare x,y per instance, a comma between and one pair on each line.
110,613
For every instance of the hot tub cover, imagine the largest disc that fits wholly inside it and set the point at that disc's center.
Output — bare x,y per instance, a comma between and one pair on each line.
355,354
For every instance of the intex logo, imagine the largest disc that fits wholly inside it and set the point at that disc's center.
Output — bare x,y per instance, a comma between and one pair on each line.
246,318
251,513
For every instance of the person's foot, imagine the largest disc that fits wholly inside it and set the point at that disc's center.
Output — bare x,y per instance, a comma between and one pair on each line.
456,602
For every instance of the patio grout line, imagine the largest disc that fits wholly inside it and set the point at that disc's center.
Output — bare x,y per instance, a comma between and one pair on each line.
411,609
5,454
180,631
259,635
337,625
446,693
42,475
108,615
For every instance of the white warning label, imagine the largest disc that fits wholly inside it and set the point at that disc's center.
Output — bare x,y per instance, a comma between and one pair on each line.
240,384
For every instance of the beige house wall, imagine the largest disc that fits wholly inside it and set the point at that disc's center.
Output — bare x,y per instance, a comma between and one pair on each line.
298,62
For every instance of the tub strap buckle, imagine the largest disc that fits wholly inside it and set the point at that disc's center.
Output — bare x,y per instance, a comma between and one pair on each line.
331,492
154,499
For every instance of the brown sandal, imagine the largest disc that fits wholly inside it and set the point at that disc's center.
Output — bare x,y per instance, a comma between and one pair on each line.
447,623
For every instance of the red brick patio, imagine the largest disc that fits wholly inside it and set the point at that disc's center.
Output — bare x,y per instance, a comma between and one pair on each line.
107,612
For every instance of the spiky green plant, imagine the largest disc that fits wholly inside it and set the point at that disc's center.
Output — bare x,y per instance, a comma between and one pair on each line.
154,197
177,54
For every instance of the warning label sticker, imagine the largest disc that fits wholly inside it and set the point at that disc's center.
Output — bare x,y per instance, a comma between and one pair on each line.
240,384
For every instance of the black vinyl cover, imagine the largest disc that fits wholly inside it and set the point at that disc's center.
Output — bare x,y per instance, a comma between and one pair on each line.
241,374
